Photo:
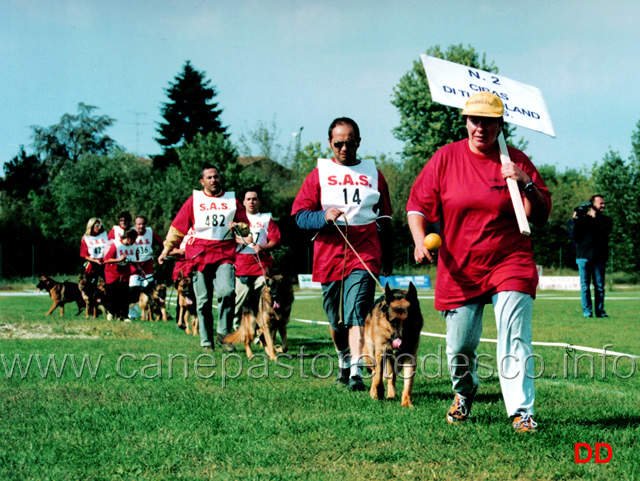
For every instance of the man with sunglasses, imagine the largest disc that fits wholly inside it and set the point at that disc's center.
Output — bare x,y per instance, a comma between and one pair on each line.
348,195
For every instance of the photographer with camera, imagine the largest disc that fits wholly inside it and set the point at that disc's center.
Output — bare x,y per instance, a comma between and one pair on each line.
591,236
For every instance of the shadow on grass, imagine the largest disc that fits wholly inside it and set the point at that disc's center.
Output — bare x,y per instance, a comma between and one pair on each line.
312,345
612,423
444,394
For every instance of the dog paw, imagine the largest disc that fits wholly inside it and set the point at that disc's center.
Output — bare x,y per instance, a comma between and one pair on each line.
406,402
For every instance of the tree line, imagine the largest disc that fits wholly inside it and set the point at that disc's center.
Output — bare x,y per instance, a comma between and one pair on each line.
76,171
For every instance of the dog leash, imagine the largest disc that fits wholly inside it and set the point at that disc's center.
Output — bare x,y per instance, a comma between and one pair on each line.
255,256
347,243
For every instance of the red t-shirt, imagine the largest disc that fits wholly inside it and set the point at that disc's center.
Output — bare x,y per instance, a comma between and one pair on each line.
329,246
483,251
204,251
247,265
114,272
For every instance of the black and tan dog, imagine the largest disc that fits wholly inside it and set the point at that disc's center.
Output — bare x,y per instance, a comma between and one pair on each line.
153,303
392,335
61,293
187,315
94,295
272,316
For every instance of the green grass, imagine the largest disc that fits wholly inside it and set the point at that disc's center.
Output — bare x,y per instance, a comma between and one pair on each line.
278,421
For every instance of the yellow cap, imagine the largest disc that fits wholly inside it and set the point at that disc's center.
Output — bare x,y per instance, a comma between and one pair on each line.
484,104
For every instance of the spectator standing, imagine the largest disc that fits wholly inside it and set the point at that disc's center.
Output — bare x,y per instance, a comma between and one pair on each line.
591,235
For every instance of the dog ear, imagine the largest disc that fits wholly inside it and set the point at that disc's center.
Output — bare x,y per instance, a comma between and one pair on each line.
412,293
388,294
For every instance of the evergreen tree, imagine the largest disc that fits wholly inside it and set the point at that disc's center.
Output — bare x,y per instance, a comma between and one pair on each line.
22,174
190,111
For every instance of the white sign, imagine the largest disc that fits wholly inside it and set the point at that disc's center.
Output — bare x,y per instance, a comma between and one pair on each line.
306,283
452,84
559,283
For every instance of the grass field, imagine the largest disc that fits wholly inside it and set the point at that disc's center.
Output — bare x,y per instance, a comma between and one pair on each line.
134,413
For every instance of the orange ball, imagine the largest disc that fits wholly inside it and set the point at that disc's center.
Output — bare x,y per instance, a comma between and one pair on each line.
432,242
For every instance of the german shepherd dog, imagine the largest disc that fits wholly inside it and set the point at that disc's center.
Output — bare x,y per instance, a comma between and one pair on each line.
187,315
392,334
61,293
94,295
153,303
273,312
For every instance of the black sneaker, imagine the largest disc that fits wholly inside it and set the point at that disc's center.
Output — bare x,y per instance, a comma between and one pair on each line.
342,380
224,345
356,384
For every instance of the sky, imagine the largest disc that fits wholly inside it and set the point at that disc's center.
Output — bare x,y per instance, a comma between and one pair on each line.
303,63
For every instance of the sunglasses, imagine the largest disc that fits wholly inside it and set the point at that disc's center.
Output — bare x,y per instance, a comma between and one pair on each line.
349,143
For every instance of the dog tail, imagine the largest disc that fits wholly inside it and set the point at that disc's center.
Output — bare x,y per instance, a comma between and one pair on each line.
235,337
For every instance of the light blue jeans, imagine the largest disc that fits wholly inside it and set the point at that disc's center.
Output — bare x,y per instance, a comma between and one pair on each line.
592,272
513,312
222,279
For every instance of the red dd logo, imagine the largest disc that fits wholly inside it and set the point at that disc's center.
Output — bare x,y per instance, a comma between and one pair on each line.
598,459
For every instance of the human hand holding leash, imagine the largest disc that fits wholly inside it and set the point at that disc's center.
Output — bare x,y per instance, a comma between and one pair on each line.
332,214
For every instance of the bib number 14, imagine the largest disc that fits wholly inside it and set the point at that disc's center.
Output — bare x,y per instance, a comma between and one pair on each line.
354,200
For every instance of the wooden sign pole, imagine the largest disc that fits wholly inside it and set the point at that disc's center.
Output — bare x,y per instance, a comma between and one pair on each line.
514,191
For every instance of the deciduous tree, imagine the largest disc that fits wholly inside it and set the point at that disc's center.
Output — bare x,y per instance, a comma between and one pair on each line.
73,136
425,125
619,183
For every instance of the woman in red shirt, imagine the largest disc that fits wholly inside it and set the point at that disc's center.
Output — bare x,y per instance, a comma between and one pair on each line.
483,258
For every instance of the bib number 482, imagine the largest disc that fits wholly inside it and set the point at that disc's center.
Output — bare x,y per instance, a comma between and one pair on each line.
214,220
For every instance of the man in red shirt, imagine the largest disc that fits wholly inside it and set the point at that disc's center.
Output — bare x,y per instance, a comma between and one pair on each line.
142,273
346,187
212,213
254,260
124,223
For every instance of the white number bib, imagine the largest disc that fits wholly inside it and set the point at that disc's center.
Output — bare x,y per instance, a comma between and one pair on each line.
97,245
143,245
351,188
259,226
213,215
129,251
